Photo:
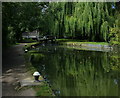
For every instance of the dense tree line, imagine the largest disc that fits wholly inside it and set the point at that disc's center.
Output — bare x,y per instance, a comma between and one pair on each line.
21,17
90,21
85,21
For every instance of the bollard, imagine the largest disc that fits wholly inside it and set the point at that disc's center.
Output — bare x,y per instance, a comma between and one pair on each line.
33,46
26,50
36,76
25,44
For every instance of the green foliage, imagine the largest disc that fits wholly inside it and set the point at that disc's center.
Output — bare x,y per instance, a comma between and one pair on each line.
21,17
104,30
87,21
43,90
114,36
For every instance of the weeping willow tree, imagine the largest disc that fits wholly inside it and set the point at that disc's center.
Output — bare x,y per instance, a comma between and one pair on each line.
88,21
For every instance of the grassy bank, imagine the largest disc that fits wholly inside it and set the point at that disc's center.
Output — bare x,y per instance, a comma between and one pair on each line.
84,45
43,89
78,42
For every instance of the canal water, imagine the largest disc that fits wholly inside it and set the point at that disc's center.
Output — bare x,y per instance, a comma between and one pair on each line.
71,72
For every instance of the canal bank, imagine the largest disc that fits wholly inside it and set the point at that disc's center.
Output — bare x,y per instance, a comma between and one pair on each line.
41,90
78,44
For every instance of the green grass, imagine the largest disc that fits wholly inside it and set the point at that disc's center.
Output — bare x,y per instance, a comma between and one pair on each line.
43,90
68,40
78,42
94,43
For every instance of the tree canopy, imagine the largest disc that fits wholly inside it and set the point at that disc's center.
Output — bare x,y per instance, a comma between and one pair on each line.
86,21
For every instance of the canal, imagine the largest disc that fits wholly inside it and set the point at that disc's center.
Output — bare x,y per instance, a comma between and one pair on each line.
72,72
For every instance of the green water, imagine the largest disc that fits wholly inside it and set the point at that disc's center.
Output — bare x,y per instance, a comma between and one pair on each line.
76,72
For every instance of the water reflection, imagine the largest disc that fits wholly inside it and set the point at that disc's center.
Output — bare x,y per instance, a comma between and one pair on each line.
77,73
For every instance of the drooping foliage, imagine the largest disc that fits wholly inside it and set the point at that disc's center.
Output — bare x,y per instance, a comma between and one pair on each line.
90,21
86,21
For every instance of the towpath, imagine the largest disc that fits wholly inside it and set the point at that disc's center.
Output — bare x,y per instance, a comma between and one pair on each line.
13,70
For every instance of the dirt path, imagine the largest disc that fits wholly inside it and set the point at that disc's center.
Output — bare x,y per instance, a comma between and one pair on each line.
13,70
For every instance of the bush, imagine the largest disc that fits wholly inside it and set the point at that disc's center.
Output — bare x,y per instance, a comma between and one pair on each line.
114,36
